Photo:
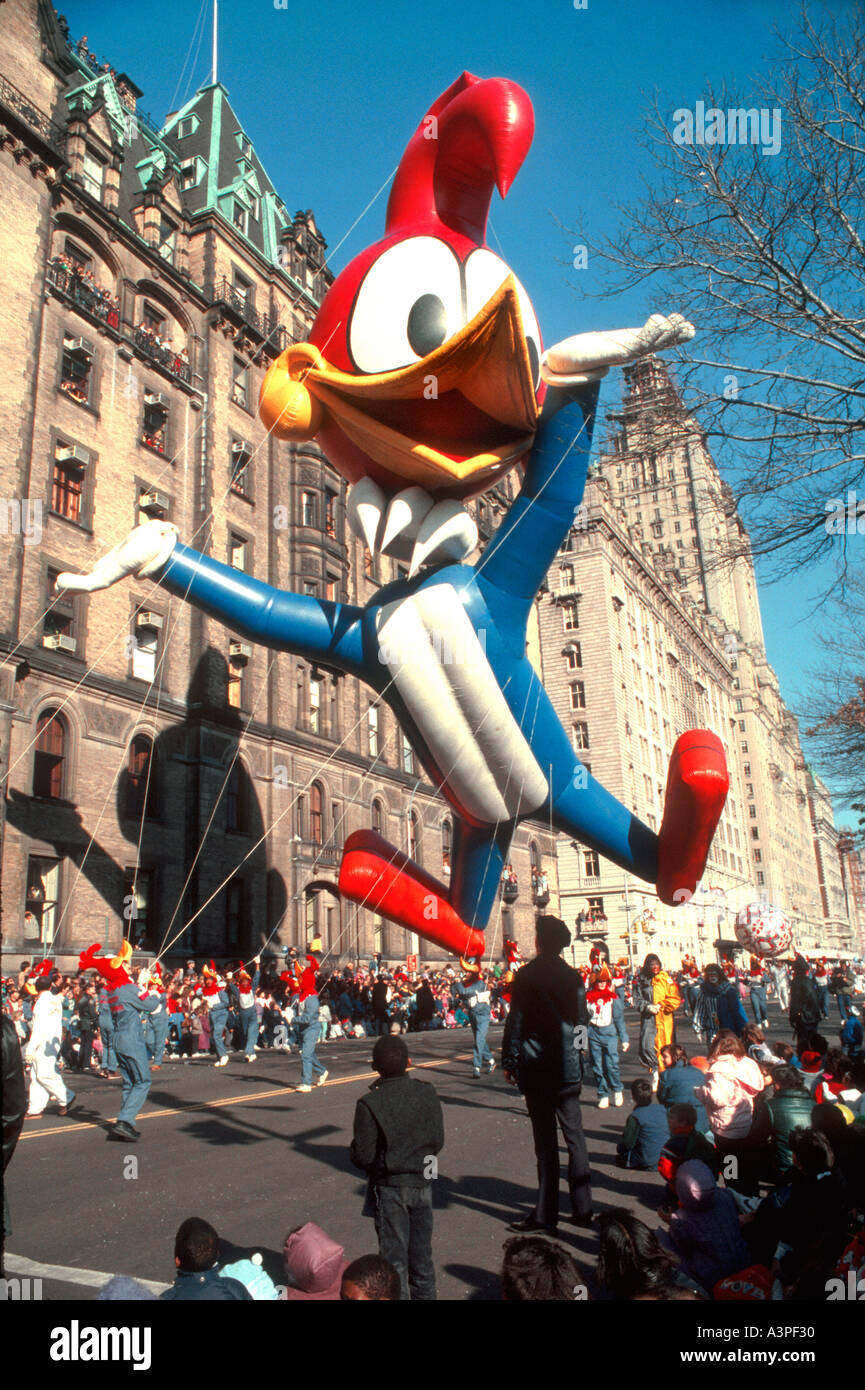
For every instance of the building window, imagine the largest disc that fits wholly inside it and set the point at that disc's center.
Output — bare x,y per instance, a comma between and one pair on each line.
591,863
741,726
758,856
141,798
240,467
750,788
238,552
752,812
367,562
236,678
413,838
235,798
138,905
407,756
566,577
578,695
154,428
49,759
240,217
570,615
42,899
167,240
234,914
760,879
746,768
331,588
307,509
144,649
575,656
377,818
755,833
186,127
188,175
240,383
372,731
315,705
330,499
76,369
93,174
581,736
744,747
316,824
58,627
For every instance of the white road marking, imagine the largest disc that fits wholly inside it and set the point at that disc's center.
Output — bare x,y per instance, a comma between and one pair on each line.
88,1278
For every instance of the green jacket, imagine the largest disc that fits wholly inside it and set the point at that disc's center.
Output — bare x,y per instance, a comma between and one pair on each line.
787,1110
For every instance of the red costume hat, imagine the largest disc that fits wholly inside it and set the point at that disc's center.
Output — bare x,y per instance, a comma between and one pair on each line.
113,969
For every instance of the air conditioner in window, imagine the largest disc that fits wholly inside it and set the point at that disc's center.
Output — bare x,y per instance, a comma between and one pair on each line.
241,447
156,502
78,347
155,398
72,453
149,620
59,642
240,651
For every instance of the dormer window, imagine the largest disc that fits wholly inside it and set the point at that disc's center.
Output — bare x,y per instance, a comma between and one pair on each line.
240,217
187,126
93,174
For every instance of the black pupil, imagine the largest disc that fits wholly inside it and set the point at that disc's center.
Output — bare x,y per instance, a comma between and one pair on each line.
427,324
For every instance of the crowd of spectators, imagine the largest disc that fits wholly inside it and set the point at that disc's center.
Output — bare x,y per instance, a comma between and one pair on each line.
79,281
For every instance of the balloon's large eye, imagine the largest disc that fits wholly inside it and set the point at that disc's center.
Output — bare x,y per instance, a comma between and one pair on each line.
484,273
408,304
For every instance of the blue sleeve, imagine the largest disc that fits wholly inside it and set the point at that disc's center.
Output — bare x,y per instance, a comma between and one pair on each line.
531,532
312,628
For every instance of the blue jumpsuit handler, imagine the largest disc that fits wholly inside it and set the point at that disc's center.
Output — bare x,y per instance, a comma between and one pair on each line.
476,995
243,993
156,1031
127,1008
619,1009
218,1002
106,1032
308,1026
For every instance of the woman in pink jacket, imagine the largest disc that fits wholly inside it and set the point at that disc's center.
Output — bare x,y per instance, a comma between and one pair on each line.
733,1085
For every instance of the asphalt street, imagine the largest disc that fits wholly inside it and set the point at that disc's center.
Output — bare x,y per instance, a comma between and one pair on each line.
241,1148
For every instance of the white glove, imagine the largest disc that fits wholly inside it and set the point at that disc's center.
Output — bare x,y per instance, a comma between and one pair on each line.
144,551
653,1009
589,356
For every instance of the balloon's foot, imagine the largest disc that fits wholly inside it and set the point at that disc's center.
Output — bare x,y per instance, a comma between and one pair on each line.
383,879
697,786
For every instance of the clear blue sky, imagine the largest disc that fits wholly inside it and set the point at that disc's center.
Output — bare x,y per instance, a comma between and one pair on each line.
330,92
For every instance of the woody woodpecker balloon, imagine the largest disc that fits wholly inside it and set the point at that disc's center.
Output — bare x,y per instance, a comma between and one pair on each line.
424,381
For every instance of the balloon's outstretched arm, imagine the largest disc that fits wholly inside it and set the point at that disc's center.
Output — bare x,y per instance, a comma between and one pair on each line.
532,530
312,628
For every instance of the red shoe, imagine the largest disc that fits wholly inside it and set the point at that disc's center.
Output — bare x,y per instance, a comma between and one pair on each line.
385,880
697,786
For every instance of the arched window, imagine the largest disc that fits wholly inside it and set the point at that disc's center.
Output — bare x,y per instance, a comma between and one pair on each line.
377,818
141,780
447,836
49,762
534,855
316,827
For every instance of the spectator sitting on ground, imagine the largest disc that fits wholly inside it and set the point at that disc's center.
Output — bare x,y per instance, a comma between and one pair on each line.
370,1279
705,1230
646,1130
685,1142
314,1265
196,1255
788,1108
631,1263
678,1081
536,1270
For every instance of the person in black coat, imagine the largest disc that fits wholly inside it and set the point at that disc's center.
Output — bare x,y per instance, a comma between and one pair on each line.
398,1130
545,1037
805,1012
14,1103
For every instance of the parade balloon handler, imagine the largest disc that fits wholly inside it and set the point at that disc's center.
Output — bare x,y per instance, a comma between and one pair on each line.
127,1007
243,991
218,1001
474,990
424,382
308,1024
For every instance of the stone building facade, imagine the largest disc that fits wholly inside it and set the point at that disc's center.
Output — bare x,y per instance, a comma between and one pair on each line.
163,779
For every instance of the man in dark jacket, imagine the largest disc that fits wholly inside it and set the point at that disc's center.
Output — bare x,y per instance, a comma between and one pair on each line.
545,1036
88,1021
805,1012
14,1102
196,1256
398,1130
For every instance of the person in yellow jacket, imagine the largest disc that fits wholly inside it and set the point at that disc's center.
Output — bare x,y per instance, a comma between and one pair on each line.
657,997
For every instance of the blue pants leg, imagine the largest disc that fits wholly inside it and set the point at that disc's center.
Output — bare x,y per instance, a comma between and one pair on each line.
309,1063
480,1028
619,1017
135,1084
249,1019
218,1020
604,1052
843,1006
157,1033
758,1006
109,1060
